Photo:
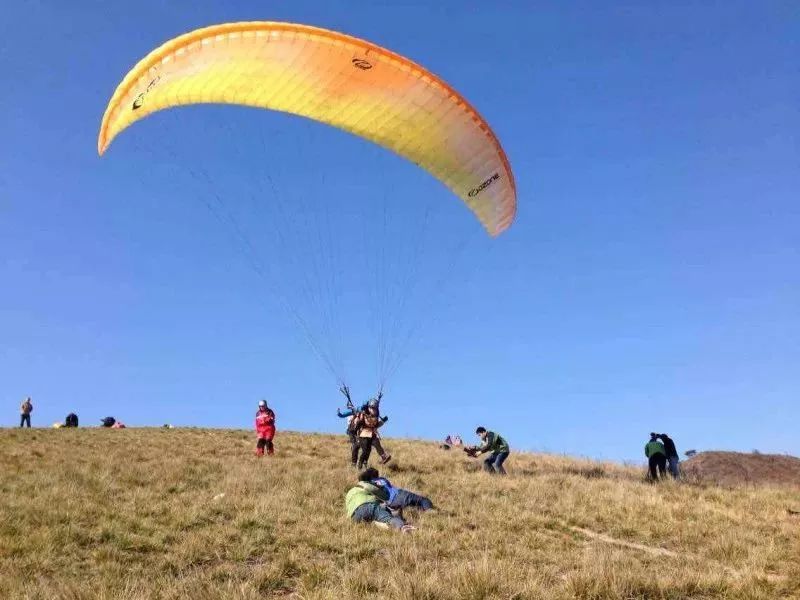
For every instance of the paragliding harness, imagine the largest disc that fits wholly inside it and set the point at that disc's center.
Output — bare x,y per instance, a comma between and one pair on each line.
71,420
352,426
108,421
354,423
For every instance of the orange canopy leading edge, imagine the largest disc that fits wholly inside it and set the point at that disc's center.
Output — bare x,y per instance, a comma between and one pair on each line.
333,78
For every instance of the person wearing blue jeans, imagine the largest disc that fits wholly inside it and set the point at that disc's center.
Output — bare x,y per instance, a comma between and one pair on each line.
494,462
405,498
499,448
673,460
373,512
25,410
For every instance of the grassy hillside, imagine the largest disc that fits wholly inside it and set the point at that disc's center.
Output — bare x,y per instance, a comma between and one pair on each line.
153,513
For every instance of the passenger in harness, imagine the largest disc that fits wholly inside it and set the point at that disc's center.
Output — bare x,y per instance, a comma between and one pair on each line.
356,417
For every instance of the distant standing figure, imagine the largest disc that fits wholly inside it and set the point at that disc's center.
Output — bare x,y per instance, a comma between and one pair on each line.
494,443
673,460
265,428
25,410
656,456
453,440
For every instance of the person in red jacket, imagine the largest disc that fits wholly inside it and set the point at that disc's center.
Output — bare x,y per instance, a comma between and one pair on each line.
265,428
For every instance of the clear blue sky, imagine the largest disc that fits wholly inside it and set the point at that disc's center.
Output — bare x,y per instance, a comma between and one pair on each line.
651,281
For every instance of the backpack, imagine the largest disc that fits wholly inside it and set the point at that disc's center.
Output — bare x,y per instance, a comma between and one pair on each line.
351,424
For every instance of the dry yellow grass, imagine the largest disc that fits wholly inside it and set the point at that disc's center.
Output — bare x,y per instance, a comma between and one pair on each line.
139,513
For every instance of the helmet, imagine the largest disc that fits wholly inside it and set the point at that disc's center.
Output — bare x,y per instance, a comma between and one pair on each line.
373,403
262,404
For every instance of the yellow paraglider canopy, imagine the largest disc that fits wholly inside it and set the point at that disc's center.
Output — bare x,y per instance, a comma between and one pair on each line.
333,78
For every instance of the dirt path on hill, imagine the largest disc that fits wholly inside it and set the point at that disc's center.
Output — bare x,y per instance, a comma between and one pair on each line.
655,551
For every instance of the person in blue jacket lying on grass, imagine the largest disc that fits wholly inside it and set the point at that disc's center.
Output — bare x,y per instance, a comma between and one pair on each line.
398,498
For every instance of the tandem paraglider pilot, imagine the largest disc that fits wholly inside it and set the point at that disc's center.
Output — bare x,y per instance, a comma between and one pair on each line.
330,77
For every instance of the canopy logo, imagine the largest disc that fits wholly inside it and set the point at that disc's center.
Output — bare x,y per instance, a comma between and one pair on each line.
484,185
360,63
139,100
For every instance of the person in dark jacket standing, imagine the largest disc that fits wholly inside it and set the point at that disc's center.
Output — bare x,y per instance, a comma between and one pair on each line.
25,410
673,460
656,457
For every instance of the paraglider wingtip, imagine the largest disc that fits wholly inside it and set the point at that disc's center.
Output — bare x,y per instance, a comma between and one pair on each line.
103,139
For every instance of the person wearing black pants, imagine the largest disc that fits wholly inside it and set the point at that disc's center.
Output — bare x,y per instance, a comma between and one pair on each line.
366,424
658,466
656,457
354,446
262,444
357,444
365,445
673,460
356,419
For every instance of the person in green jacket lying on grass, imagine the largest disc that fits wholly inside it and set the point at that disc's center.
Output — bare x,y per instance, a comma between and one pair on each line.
367,503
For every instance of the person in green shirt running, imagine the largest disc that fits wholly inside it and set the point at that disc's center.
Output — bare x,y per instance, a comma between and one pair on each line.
497,445
656,458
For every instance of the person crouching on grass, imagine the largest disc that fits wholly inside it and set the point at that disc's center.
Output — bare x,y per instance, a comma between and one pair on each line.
265,429
494,443
367,503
